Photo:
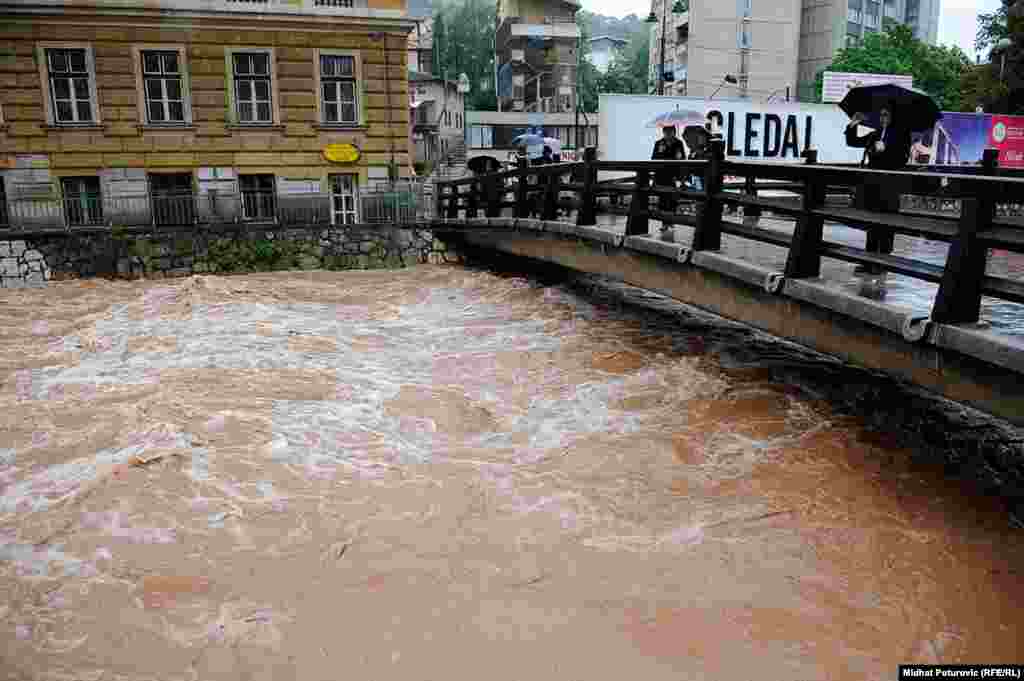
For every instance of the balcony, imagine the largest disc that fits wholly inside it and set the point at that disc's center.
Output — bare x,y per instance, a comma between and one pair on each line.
551,28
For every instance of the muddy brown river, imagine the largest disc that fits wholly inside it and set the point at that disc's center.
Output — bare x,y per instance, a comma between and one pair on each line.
443,473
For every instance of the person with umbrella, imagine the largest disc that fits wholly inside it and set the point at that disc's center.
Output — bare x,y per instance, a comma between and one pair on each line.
668,148
901,112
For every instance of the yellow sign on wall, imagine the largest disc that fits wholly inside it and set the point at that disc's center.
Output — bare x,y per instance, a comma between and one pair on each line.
341,153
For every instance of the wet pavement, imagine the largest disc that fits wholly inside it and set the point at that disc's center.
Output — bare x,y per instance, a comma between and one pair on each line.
446,473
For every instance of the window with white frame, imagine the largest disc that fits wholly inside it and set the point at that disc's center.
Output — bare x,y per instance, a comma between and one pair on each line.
344,199
338,102
162,86
71,88
252,86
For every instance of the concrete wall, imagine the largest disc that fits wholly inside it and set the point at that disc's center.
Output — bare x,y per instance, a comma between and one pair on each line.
33,261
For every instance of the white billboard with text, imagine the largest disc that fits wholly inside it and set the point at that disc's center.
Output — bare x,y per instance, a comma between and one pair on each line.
757,131
835,84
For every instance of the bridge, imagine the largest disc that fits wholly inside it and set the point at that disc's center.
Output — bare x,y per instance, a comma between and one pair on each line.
947,314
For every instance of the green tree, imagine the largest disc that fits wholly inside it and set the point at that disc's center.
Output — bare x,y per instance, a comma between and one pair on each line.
588,78
936,69
998,86
980,86
992,27
464,43
628,72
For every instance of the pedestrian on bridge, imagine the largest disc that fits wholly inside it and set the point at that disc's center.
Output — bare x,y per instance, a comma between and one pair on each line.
886,148
668,148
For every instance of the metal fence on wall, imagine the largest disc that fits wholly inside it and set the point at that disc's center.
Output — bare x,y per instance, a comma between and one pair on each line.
404,202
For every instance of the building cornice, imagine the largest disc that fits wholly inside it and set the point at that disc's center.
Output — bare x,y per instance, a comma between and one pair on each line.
184,13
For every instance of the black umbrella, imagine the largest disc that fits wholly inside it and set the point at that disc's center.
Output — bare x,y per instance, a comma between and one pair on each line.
695,136
484,164
911,108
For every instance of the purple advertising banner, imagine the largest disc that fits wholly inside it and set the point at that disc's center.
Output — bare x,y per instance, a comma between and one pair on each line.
961,139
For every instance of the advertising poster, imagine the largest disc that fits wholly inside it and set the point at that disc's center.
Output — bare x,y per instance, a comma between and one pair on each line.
782,131
961,139
757,131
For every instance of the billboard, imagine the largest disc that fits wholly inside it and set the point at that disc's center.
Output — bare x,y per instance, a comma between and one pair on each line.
961,139
835,84
774,131
781,131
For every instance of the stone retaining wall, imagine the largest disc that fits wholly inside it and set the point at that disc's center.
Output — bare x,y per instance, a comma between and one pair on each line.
34,260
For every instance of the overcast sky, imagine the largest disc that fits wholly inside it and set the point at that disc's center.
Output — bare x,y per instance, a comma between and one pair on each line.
957,23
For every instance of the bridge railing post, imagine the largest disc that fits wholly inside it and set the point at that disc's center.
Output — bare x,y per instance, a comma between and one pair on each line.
750,189
639,211
587,214
473,201
708,234
552,182
522,208
439,191
491,188
453,202
804,259
959,298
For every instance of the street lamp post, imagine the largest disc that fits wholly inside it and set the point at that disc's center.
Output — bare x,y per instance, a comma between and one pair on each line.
652,18
1002,46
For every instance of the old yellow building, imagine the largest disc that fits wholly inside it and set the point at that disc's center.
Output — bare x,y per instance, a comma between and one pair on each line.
123,111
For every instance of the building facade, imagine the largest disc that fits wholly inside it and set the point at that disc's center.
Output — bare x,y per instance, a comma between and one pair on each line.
603,50
161,112
828,25
767,46
536,50
490,133
438,116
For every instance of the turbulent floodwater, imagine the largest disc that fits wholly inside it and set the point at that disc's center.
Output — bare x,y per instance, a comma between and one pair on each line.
442,473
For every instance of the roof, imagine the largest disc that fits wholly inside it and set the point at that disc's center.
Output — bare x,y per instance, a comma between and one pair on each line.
617,41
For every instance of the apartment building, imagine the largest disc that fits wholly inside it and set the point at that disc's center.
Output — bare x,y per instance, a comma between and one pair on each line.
536,48
767,46
603,50
119,112
438,116
829,25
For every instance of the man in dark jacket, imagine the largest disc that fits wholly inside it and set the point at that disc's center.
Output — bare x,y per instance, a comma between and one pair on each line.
887,148
668,148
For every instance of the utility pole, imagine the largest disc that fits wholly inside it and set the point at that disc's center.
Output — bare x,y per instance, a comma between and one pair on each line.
661,67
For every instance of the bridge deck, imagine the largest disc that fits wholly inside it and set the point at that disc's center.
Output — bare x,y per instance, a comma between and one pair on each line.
1002,316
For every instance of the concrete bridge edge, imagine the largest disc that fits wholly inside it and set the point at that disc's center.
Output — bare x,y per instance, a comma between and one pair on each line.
962,363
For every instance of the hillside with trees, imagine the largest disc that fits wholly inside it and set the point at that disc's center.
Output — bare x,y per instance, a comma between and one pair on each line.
463,43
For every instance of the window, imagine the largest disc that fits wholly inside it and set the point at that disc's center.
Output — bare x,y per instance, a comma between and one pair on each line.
565,103
259,200
744,40
344,195
871,14
481,136
338,89
253,92
853,30
173,202
745,7
162,86
72,93
853,12
82,202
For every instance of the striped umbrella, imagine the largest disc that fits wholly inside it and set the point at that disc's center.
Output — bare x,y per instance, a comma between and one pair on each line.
679,118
